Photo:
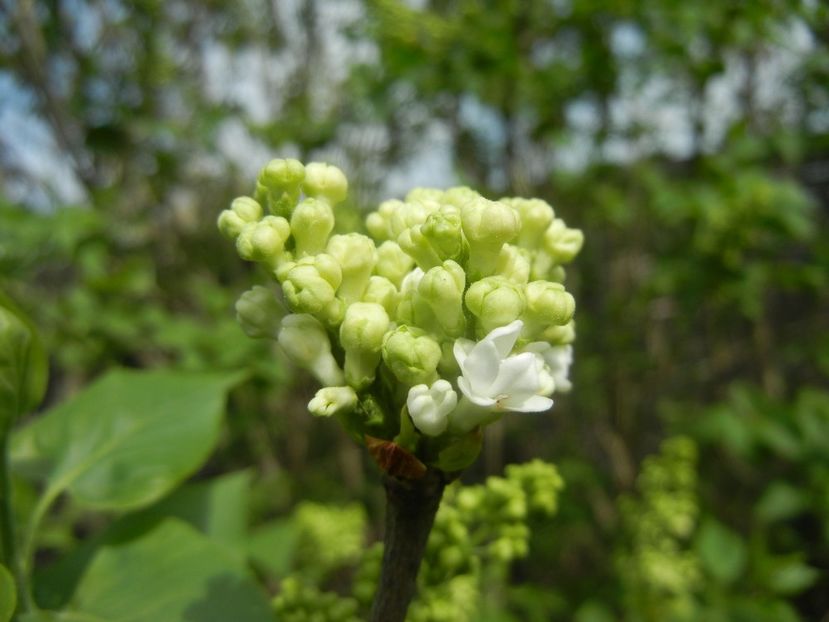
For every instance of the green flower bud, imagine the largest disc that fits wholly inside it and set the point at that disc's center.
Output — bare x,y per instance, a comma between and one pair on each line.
441,290
311,224
548,304
495,302
536,215
541,264
357,256
259,312
264,240
333,401
361,336
325,181
560,335
411,355
307,345
424,195
242,212
408,215
439,238
414,243
393,263
310,286
513,264
383,292
562,243
379,223
459,196
487,225
279,185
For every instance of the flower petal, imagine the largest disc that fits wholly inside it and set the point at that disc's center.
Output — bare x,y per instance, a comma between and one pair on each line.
531,404
481,367
479,400
517,375
504,337
461,349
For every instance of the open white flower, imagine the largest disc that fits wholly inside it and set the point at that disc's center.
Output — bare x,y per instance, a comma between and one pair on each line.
494,379
558,360
430,406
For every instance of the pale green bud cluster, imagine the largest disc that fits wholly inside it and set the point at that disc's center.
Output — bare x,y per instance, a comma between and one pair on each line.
390,315
299,602
659,567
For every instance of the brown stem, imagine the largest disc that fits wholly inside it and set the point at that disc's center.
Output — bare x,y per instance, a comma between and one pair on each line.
411,506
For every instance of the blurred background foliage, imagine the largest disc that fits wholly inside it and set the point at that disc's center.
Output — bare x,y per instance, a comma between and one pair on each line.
689,141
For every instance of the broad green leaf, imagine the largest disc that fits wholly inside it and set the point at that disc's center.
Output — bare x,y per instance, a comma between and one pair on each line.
792,576
126,440
23,365
218,508
721,551
171,572
780,501
8,594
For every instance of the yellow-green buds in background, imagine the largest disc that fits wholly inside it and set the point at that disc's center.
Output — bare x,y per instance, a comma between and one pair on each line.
330,401
259,312
361,336
325,181
243,211
411,355
264,240
357,256
487,225
383,292
306,343
494,301
513,264
310,286
279,184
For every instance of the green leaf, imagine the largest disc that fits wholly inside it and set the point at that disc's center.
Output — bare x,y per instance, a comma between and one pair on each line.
126,440
791,576
722,552
23,365
169,573
780,501
217,508
8,594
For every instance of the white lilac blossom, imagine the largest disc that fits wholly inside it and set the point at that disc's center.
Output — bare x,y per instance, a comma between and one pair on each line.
429,407
493,378
451,312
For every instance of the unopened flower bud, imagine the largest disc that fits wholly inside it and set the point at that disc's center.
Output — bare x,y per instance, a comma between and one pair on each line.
378,223
411,355
513,264
242,212
361,336
310,286
408,215
561,242
548,304
393,263
495,302
330,401
325,181
279,185
441,289
307,345
357,256
424,194
487,225
560,335
383,292
259,312
429,407
264,240
311,224
536,215
459,196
